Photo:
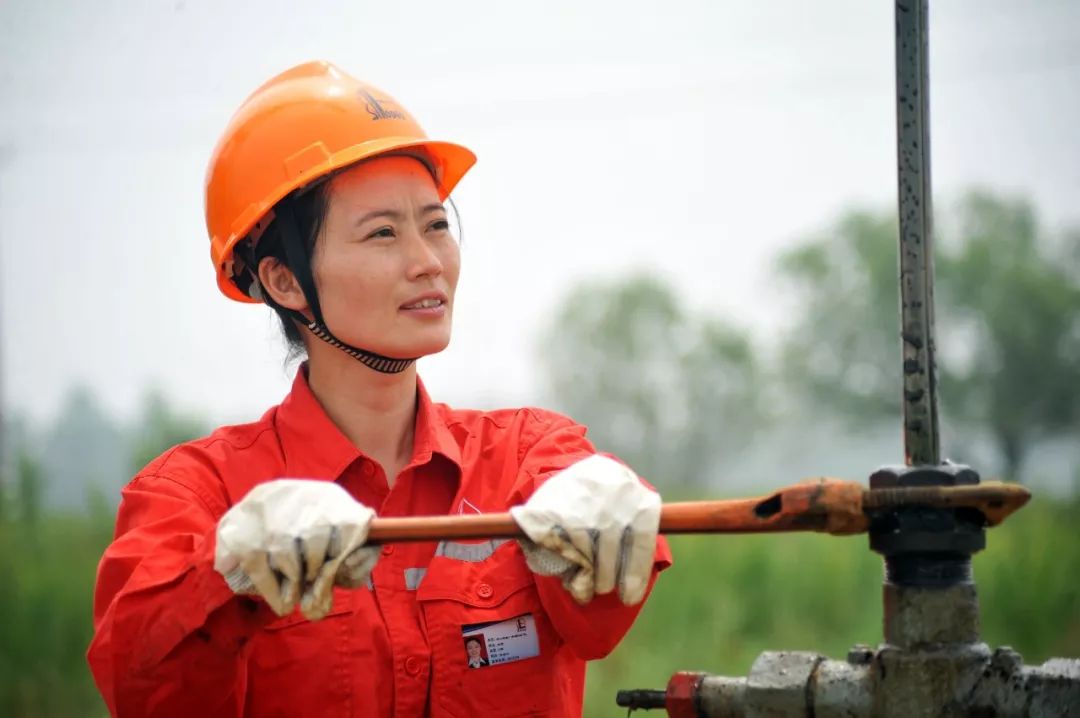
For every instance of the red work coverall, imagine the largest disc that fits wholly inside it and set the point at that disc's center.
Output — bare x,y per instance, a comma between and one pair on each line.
171,639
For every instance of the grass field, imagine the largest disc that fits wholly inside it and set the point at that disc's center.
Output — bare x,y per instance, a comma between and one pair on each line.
726,600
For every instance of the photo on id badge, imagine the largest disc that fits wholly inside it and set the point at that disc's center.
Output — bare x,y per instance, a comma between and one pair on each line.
489,644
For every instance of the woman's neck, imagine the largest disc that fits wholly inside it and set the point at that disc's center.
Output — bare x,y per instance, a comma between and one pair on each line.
376,412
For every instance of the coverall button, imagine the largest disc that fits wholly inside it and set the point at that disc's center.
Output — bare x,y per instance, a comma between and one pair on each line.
388,549
412,665
367,469
484,590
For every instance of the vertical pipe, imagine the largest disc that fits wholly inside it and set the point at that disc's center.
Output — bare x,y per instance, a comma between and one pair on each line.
921,441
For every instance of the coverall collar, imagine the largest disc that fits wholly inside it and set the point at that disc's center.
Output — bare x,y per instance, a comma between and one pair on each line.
315,448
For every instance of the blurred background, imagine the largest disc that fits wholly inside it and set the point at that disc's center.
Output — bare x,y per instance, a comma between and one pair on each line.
681,231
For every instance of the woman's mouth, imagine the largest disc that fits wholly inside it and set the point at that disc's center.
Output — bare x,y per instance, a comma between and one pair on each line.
426,307
425,304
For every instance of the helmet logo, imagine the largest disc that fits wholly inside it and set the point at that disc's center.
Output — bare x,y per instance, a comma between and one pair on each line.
378,109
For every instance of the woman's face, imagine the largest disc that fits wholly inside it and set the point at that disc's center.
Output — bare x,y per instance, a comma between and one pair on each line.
386,264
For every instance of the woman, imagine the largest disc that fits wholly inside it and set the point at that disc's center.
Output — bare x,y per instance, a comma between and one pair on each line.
239,582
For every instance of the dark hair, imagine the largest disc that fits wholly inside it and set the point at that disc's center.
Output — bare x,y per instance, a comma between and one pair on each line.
309,208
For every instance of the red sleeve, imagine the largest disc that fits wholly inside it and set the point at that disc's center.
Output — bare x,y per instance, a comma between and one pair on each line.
592,631
169,635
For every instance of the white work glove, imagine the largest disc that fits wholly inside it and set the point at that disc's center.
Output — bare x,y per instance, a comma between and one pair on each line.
593,524
291,540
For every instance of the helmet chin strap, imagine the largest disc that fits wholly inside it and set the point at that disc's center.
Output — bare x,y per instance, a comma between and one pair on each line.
300,264
378,362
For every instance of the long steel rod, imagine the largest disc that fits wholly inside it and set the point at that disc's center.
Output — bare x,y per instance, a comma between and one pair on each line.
921,438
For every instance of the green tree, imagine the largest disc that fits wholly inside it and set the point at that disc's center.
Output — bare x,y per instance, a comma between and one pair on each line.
31,486
82,448
1012,293
16,441
160,427
722,392
841,350
1008,323
670,393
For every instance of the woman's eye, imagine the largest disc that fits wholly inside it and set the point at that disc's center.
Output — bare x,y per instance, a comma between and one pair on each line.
385,232
440,225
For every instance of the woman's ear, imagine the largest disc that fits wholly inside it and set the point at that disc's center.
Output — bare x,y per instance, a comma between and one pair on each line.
280,283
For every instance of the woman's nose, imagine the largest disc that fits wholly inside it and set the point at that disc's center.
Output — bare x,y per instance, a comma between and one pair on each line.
423,259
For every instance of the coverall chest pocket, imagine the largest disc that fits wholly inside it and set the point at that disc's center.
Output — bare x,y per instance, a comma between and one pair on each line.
492,645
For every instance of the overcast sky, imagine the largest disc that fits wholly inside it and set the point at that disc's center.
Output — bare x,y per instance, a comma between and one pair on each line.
695,139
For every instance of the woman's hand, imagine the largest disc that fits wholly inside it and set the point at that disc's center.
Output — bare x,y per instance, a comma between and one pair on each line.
594,524
291,540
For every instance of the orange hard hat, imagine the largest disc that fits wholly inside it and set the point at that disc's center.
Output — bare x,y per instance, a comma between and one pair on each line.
296,129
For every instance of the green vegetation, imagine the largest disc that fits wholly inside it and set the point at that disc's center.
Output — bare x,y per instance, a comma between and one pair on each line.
651,380
1008,323
685,395
49,555
46,606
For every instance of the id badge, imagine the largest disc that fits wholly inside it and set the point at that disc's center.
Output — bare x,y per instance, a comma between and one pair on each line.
489,644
